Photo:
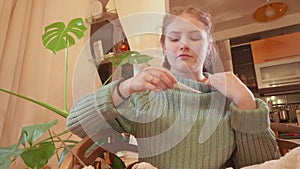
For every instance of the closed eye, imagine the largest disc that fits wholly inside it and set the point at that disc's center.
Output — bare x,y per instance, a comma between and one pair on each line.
195,36
173,39
173,36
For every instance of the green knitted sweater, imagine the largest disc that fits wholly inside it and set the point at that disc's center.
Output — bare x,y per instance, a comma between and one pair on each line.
181,129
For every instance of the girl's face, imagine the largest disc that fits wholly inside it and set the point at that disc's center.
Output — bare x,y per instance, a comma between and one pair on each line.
186,45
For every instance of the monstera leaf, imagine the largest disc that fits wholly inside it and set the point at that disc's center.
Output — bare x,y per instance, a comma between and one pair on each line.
57,36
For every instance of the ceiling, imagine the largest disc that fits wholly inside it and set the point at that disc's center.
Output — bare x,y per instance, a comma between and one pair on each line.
233,19
233,13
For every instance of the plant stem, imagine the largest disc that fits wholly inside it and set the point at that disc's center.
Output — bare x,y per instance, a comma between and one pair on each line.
43,104
60,134
57,141
66,79
57,156
108,79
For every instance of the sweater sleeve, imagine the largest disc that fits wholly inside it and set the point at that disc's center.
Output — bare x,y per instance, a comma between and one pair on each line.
96,112
255,141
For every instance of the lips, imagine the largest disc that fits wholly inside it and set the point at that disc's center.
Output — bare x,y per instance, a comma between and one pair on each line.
184,56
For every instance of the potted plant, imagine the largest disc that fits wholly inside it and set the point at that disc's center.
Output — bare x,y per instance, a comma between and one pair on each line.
34,152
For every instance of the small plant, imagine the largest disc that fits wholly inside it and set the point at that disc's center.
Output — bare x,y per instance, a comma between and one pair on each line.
34,153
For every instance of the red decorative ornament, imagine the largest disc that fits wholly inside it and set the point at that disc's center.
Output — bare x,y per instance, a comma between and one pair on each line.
123,47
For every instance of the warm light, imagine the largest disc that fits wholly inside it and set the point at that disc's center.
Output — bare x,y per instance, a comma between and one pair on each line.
123,47
270,12
279,101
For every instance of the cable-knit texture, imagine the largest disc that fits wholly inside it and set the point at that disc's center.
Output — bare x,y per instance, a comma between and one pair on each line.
168,126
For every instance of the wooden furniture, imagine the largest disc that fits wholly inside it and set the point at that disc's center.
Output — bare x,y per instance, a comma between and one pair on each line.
283,144
275,48
109,149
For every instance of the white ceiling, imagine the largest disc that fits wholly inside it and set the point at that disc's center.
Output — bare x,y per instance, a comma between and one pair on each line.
233,13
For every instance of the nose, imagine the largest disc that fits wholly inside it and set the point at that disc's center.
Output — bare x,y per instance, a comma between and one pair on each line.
184,46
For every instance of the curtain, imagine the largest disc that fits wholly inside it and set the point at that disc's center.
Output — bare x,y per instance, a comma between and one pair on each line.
26,67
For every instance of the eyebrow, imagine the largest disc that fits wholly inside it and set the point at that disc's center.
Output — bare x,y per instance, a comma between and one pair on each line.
173,32
179,32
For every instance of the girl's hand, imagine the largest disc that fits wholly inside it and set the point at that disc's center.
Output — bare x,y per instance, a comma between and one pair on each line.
151,78
230,86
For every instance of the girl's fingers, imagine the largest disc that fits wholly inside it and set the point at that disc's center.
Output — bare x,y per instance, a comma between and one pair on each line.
161,78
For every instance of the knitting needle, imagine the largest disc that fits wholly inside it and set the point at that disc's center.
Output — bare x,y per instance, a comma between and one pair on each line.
185,87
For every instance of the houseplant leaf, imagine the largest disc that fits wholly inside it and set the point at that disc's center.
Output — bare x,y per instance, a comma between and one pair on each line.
57,36
131,57
8,154
117,162
38,156
34,156
33,132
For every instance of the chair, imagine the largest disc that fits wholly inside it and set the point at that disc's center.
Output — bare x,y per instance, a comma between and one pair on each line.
283,144
89,156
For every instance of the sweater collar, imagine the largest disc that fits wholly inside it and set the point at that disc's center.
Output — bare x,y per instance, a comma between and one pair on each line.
194,84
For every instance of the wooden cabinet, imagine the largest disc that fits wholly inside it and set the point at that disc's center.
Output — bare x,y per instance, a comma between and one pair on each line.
279,47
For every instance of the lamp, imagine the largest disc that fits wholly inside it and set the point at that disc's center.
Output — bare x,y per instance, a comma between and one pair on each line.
270,11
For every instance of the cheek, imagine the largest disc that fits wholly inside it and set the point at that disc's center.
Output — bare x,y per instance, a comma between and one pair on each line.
171,48
171,57
201,49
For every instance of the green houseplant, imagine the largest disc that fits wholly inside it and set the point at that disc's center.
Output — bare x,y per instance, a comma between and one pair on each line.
33,152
